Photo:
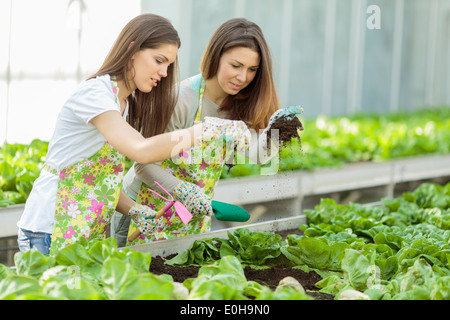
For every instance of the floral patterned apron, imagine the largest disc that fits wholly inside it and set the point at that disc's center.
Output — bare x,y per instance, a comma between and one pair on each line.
187,166
87,195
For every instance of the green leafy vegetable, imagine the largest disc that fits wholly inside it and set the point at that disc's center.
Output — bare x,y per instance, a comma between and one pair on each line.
405,255
399,250
332,142
89,270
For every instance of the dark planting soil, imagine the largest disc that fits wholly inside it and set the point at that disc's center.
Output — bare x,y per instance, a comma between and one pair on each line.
287,129
269,277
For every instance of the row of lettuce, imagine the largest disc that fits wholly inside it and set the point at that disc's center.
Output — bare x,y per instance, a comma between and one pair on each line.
97,270
325,142
396,251
335,141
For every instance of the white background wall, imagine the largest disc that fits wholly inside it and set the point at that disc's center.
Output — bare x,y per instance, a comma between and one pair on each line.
42,59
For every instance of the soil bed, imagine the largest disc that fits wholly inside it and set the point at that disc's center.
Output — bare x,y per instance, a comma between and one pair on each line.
269,277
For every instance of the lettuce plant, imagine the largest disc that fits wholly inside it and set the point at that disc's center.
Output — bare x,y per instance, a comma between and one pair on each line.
94,270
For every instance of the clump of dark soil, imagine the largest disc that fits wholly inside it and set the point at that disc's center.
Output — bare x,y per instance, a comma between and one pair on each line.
269,277
288,127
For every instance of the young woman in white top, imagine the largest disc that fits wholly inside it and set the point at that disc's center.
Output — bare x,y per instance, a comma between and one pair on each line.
236,82
122,110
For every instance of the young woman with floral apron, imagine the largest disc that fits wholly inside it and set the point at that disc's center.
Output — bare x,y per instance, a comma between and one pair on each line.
192,167
236,82
87,195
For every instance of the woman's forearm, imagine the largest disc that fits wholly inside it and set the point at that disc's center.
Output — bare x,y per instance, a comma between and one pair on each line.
125,203
167,145
133,145
149,173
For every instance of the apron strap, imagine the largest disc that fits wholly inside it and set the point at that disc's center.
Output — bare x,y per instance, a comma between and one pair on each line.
200,100
51,169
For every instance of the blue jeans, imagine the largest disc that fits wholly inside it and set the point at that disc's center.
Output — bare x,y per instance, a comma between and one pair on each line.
28,240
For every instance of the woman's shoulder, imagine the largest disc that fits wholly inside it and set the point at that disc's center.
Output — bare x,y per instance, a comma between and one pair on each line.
193,82
96,84
186,83
187,97
92,97
190,88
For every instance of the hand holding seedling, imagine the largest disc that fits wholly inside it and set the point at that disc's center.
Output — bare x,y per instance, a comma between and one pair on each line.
285,124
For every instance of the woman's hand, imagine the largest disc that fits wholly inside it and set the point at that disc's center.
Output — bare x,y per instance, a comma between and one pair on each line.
193,198
216,128
289,113
144,217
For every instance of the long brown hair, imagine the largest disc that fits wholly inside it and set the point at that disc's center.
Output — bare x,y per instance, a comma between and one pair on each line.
149,113
259,100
